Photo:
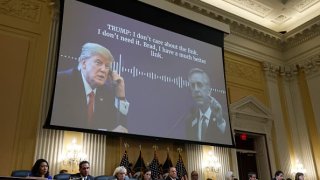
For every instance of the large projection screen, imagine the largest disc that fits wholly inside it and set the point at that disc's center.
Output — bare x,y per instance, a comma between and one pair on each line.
167,78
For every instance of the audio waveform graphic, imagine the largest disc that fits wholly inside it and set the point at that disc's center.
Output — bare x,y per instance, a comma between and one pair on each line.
135,72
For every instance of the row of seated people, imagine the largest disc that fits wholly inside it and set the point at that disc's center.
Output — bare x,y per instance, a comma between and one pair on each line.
41,170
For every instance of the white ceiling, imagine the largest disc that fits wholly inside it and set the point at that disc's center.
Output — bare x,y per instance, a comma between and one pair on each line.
277,15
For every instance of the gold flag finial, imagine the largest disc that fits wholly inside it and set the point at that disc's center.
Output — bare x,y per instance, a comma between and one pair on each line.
155,147
126,145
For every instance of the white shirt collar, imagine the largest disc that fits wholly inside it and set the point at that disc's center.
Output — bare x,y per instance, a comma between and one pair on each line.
87,87
207,114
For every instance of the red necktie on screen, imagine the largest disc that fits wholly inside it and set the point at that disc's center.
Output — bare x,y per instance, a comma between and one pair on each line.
90,106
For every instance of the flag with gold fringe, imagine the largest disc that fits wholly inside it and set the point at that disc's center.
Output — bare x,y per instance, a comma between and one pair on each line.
154,167
167,164
140,165
125,160
181,170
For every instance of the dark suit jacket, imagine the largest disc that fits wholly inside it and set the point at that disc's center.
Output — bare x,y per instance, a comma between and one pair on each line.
70,104
213,134
169,178
78,176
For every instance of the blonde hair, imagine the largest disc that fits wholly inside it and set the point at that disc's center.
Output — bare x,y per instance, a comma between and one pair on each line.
120,169
229,175
91,49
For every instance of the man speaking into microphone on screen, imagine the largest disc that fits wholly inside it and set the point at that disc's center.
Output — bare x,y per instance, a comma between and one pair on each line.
91,96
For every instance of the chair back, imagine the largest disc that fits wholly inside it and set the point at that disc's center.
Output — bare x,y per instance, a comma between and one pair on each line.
20,173
62,176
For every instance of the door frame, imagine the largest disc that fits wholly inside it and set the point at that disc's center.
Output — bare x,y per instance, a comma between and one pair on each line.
250,115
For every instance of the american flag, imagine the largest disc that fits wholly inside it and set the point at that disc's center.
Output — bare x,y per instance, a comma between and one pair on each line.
140,165
125,160
181,170
154,167
167,164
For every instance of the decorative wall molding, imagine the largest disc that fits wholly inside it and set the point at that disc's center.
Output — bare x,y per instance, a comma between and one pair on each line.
304,4
237,25
255,35
271,70
302,36
28,10
253,6
311,65
55,9
281,19
250,106
238,45
239,70
249,114
289,72
255,32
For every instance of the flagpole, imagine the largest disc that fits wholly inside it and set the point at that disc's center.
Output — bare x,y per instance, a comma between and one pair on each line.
181,170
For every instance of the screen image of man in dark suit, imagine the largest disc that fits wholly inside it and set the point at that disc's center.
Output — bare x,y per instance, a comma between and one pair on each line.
205,121
91,95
